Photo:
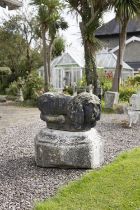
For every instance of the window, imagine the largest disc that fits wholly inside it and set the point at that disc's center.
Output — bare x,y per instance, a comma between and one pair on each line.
60,78
68,78
76,75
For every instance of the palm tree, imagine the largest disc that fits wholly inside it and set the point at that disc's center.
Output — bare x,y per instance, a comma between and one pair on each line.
125,10
91,12
48,13
60,23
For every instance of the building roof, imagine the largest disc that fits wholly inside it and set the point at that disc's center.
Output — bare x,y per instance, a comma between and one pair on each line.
132,39
108,60
134,65
76,57
12,4
112,27
67,58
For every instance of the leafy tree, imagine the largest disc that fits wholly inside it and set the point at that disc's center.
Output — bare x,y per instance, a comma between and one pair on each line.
91,12
24,25
12,52
125,10
58,47
16,37
33,86
4,74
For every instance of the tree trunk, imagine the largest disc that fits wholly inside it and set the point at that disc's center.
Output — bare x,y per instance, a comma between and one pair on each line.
49,65
29,68
120,57
49,55
90,64
94,72
46,85
87,64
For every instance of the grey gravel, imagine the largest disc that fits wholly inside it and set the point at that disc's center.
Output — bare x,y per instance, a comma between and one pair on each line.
22,183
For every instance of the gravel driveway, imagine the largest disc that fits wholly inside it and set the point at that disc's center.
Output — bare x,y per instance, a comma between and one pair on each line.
21,182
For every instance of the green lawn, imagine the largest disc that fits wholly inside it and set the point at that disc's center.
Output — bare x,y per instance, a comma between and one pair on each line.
115,186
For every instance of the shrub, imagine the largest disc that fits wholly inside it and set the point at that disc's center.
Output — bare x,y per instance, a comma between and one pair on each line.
1,88
68,90
33,86
4,77
127,91
5,71
105,79
134,81
3,83
137,79
106,85
82,82
12,89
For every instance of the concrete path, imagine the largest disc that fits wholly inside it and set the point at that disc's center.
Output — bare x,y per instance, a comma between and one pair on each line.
11,115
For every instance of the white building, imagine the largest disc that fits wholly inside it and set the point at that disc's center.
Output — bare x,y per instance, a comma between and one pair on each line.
67,69
11,4
108,60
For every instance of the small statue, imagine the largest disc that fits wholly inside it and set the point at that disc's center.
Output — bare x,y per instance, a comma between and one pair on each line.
20,97
62,112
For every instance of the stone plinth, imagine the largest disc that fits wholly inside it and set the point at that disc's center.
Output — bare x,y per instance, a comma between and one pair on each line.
64,149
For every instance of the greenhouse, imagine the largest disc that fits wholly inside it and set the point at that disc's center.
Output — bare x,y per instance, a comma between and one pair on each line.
67,69
108,60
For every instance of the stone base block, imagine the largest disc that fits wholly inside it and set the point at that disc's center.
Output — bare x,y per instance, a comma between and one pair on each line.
63,149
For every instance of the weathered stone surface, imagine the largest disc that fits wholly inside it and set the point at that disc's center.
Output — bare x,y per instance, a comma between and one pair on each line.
69,113
54,148
84,110
111,98
69,139
53,103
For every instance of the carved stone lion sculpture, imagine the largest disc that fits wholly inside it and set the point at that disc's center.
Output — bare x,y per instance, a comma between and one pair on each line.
62,112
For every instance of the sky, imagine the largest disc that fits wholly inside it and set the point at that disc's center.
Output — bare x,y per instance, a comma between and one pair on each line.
72,34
